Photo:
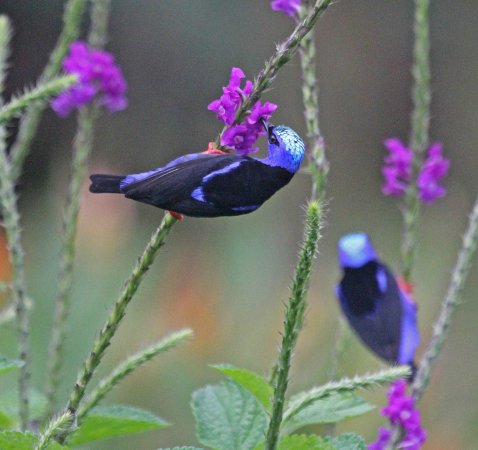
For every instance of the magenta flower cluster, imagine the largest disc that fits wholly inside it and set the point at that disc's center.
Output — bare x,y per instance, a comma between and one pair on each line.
401,412
98,77
240,137
288,7
397,171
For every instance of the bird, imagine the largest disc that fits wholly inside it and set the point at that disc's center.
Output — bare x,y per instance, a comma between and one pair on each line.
381,313
213,183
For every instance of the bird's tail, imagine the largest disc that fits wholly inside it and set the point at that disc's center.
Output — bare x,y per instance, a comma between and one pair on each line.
105,184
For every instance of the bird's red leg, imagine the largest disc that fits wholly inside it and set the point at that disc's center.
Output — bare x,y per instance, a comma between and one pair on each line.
176,215
211,150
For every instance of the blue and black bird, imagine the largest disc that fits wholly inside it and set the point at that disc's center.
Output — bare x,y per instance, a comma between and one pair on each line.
212,185
382,314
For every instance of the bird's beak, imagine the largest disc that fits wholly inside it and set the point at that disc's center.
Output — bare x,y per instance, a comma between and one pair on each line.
267,126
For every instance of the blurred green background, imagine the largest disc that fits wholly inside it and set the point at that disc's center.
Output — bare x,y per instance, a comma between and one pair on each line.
228,278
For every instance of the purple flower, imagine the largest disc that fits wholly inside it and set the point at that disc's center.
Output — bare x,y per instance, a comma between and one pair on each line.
398,167
384,435
401,412
225,107
99,77
288,7
240,137
432,171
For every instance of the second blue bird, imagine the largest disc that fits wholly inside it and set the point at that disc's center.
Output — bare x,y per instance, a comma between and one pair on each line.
212,185
382,314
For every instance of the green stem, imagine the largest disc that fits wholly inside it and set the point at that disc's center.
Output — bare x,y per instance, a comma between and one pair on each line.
283,55
82,146
318,164
449,305
40,94
31,119
11,223
128,366
5,36
345,385
419,138
54,427
119,309
294,319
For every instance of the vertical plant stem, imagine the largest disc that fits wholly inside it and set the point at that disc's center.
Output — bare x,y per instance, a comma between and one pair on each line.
11,223
119,309
318,163
29,123
284,53
449,305
81,150
293,320
82,146
420,124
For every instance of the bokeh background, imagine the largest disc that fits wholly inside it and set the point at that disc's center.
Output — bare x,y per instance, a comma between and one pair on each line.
228,278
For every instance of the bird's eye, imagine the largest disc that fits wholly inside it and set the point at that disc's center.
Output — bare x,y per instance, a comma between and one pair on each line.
273,140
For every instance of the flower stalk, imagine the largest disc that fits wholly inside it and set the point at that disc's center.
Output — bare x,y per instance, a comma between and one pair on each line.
284,53
318,164
11,223
419,139
82,147
294,318
106,334
449,305
81,150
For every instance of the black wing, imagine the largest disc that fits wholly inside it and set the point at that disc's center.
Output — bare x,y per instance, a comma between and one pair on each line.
221,184
375,315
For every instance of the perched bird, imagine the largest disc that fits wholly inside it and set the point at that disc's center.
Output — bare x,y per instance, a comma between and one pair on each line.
382,314
210,184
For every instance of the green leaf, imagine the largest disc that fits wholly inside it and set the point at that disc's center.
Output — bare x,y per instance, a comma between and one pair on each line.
254,383
348,441
182,448
228,417
111,421
330,409
302,442
9,407
6,365
6,421
15,440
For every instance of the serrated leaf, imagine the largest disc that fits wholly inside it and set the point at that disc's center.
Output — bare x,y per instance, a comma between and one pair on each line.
330,409
254,383
9,407
348,441
6,365
302,442
15,440
228,417
110,421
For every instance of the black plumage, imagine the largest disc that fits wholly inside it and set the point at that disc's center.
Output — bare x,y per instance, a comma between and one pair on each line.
206,186
374,312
